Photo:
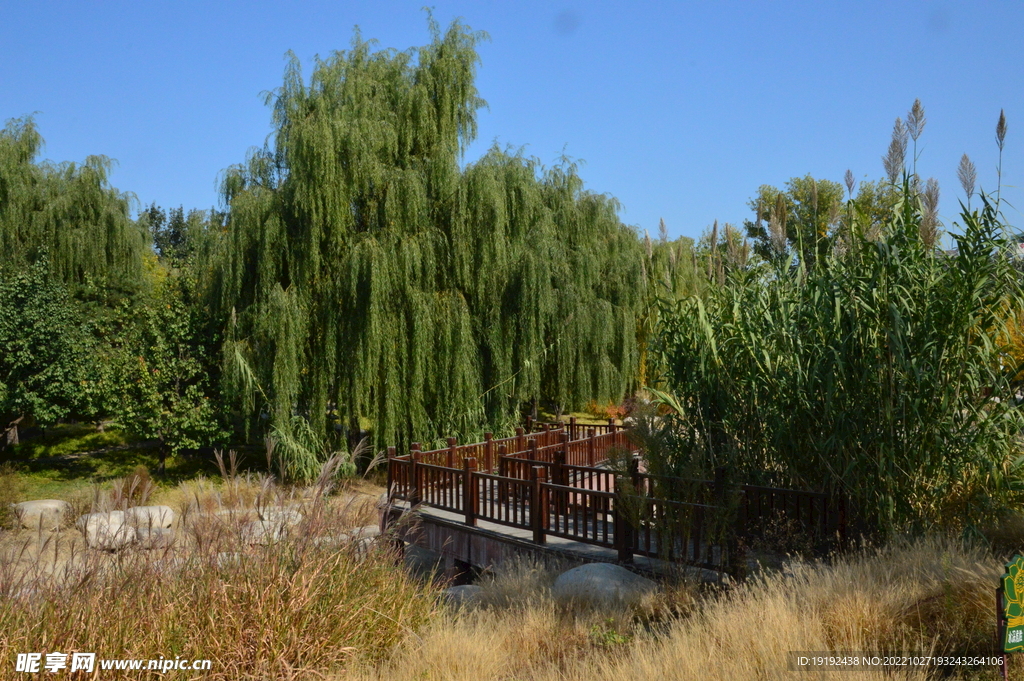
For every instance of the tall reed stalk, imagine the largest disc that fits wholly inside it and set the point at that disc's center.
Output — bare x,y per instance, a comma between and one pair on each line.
880,373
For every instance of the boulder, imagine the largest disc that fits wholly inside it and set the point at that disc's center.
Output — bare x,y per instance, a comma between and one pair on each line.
362,547
284,517
232,516
262,532
46,513
154,537
601,584
463,596
150,516
107,531
228,558
366,532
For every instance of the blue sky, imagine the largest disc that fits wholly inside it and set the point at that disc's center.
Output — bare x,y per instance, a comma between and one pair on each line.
680,110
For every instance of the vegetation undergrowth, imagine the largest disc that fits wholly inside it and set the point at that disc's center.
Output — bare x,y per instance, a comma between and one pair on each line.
929,595
296,608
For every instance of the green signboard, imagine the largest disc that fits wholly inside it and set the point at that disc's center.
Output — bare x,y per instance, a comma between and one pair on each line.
1013,605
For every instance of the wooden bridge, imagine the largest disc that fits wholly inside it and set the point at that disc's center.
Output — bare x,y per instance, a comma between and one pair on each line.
580,491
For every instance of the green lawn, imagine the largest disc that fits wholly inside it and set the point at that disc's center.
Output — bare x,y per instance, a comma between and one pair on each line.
68,460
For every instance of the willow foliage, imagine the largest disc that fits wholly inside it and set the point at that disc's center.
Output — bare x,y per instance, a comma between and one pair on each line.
69,211
881,375
365,275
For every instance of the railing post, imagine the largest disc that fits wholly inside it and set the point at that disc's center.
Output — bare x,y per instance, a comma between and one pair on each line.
621,526
591,446
529,424
520,440
502,472
612,427
719,489
452,451
558,474
390,492
538,509
737,546
414,485
531,446
572,427
488,452
469,498
547,431
561,458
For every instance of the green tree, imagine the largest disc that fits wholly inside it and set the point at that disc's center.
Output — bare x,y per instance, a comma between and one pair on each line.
801,218
176,235
363,275
71,212
45,364
160,376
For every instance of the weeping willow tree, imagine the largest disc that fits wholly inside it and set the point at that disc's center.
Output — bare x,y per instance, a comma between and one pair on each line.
364,275
68,211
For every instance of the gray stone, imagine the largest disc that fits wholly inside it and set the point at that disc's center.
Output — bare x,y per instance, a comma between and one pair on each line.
154,537
150,516
601,584
365,532
236,515
107,531
225,558
262,532
331,540
46,513
463,596
285,517
362,547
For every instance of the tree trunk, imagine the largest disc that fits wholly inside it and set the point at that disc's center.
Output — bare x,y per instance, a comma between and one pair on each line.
10,436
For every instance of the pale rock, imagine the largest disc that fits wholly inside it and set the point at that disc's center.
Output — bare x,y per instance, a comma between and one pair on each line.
107,531
283,517
150,516
601,584
154,537
262,532
463,596
45,513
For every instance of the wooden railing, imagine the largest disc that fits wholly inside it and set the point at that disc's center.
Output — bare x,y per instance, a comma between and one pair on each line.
552,485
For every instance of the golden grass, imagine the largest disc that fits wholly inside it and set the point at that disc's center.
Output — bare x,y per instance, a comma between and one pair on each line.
927,595
294,609
314,607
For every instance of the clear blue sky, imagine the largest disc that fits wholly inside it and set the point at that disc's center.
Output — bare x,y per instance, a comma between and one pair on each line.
680,110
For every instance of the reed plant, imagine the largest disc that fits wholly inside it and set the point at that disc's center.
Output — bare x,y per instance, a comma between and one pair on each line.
880,372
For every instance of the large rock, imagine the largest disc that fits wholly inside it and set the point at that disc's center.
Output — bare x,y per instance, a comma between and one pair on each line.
601,584
463,596
107,531
154,537
262,532
153,517
47,514
283,517
235,516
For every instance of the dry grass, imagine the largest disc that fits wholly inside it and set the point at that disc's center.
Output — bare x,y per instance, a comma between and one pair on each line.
313,606
297,608
927,595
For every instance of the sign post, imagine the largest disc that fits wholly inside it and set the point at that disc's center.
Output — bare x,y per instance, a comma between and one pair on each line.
1010,609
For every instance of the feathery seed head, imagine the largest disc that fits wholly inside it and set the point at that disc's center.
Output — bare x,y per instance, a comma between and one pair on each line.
967,175
916,120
